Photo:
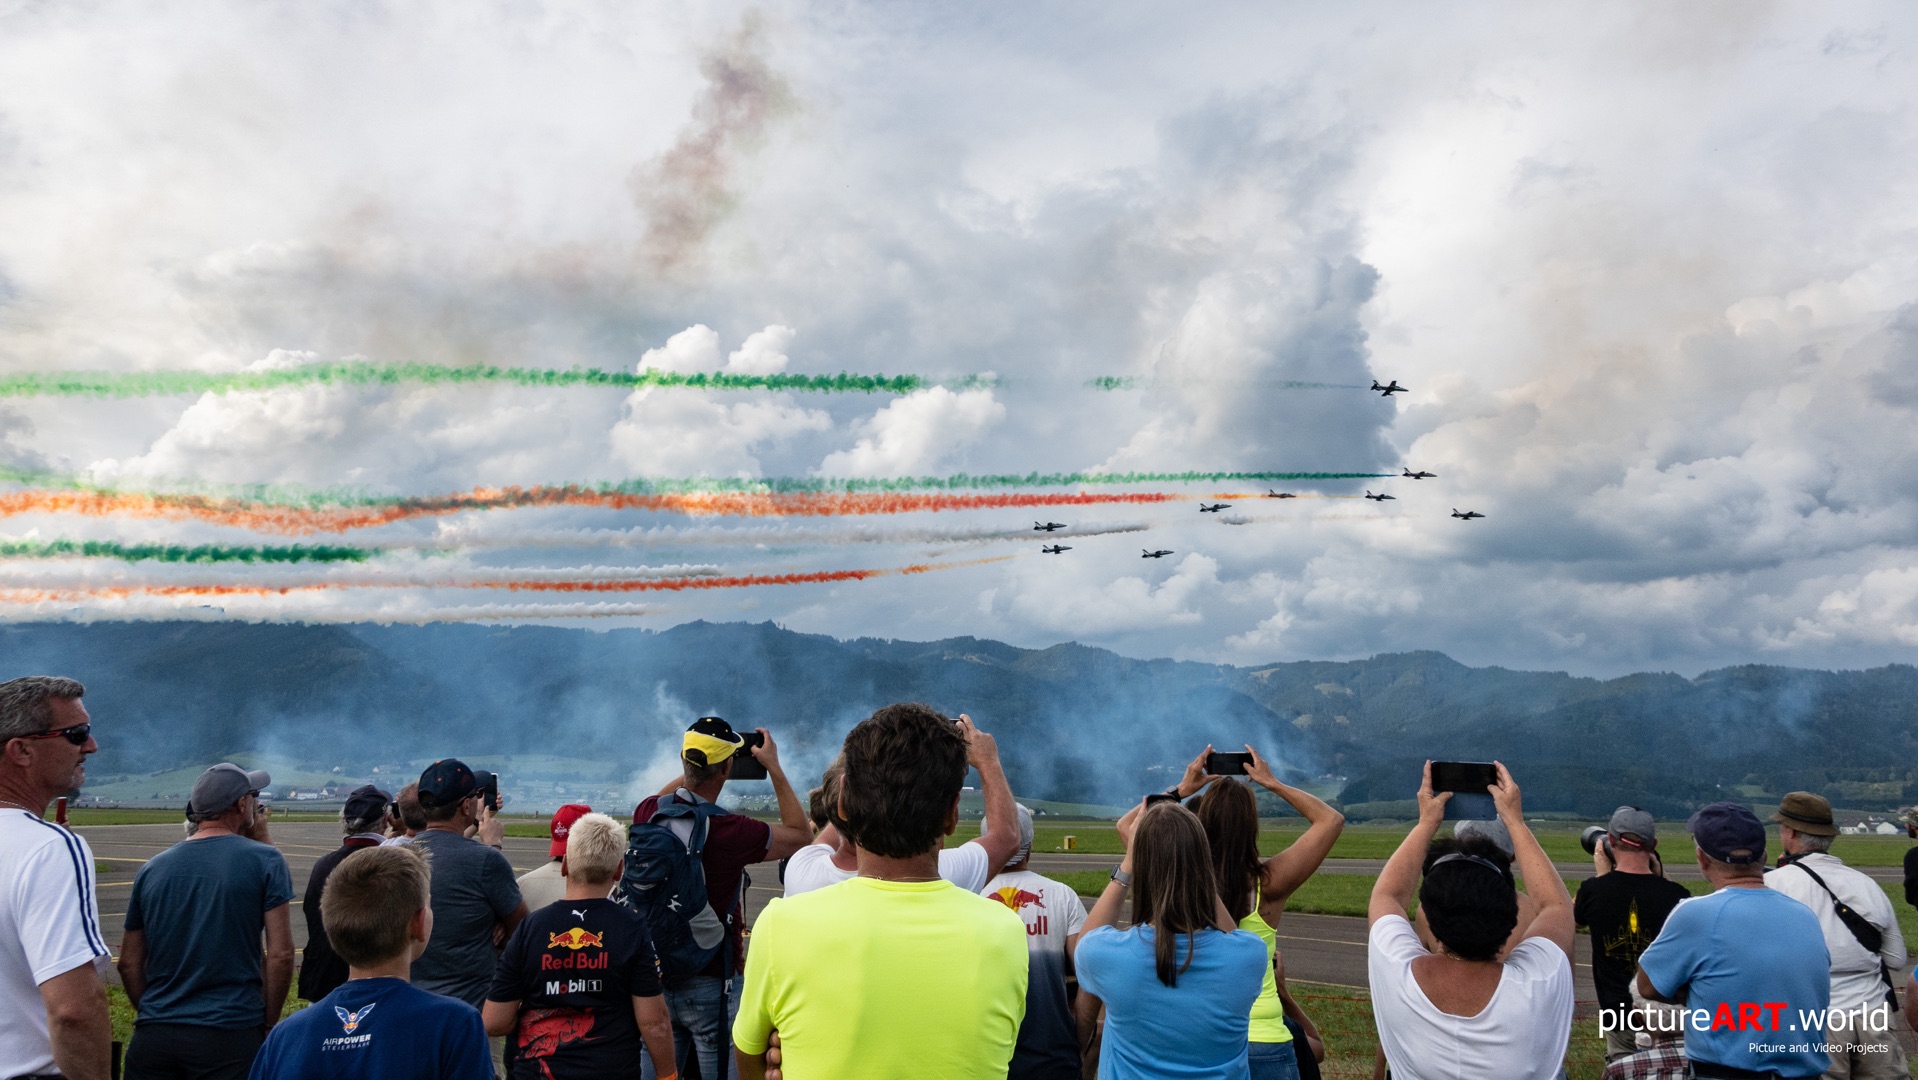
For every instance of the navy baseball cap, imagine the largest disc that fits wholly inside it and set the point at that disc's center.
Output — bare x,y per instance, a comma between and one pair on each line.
365,802
1729,832
446,782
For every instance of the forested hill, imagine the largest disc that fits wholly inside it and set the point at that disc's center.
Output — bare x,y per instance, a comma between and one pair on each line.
1075,723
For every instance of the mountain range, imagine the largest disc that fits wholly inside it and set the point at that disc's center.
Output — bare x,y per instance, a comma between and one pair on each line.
1074,723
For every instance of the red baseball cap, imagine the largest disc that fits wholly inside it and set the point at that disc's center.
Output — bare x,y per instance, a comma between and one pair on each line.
563,819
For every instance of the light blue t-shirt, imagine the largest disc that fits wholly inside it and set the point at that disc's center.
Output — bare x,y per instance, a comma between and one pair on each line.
1159,1032
1751,950
202,904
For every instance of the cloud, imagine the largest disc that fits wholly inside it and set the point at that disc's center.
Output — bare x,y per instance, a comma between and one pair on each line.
763,352
695,348
677,433
916,432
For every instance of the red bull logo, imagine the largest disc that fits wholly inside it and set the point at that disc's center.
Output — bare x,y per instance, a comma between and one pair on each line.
1018,899
576,939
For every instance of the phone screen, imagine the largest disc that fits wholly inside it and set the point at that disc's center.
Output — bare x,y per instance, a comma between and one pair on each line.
1227,763
745,765
1469,780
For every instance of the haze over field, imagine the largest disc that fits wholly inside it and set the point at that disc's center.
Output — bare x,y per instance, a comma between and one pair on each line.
1648,270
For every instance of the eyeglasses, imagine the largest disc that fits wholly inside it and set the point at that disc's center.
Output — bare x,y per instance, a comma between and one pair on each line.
78,734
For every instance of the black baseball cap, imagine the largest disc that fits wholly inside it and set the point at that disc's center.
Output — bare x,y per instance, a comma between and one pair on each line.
446,782
366,801
1729,832
709,741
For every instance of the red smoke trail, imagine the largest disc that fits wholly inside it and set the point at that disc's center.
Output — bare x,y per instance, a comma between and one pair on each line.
121,592
293,520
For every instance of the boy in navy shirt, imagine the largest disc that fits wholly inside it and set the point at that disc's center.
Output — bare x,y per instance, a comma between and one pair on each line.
378,915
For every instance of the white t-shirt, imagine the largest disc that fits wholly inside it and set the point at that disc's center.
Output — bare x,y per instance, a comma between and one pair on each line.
542,885
1521,1034
811,868
1855,978
49,925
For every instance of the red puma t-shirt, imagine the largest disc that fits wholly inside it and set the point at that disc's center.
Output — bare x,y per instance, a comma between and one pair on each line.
733,842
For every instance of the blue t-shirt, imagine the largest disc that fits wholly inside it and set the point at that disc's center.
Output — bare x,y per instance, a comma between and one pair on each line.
473,890
377,1029
1159,1032
1736,954
202,904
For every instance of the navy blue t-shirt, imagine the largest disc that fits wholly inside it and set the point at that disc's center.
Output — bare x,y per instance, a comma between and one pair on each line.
377,1029
575,967
202,904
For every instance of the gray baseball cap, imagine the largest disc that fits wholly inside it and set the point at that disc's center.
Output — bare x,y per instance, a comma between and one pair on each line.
1630,821
1025,834
1492,829
223,785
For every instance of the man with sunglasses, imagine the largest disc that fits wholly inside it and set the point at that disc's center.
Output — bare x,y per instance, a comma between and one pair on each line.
52,953
191,959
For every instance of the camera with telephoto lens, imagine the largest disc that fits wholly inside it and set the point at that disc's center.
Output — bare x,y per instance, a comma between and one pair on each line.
1592,837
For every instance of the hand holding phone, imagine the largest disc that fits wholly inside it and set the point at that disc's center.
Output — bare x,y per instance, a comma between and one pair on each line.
745,765
1471,784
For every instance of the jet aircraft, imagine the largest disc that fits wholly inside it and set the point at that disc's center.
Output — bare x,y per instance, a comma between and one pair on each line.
1420,475
1381,497
1270,494
1050,526
1054,549
1468,515
1389,389
1155,554
1212,508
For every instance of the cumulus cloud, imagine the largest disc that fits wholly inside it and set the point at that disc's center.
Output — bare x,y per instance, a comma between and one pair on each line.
675,433
916,432
763,352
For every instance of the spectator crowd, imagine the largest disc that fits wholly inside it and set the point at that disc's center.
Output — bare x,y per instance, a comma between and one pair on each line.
626,954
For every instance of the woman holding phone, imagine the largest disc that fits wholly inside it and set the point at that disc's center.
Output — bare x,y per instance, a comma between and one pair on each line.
1451,1000
1178,984
1254,888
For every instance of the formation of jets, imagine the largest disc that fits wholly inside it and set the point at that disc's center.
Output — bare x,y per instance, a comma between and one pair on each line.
1212,508
1467,516
1054,549
1388,389
1155,554
1381,497
1050,526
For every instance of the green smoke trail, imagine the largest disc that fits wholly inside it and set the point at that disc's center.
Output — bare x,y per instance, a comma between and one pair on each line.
177,553
123,384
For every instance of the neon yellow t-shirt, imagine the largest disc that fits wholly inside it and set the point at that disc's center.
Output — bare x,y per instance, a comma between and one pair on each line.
872,978
1268,1015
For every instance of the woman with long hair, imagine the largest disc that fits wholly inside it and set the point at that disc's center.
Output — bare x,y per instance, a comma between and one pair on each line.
1255,888
1176,985
1452,996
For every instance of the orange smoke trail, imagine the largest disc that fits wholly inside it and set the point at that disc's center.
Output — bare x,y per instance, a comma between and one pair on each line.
295,520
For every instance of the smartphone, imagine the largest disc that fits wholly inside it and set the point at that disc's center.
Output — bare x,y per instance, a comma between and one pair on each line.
745,765
1160,796
1470,782
1224,763
488,788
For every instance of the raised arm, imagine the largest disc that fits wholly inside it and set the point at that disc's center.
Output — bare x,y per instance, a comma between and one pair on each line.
1542,883
793,831
1289,869
999,832
1105,912
1399,880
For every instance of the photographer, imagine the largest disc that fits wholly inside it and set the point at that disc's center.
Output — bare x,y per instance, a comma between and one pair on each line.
1625,906
1446,1003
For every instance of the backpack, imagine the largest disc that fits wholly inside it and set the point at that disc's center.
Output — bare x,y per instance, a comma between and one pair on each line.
664,882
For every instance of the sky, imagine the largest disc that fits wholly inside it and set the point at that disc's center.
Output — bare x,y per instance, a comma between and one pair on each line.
1647,272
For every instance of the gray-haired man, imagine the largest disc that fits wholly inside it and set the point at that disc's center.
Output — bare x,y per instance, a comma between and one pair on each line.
51,950
191,957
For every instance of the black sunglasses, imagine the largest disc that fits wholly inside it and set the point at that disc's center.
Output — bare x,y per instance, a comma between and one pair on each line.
78,734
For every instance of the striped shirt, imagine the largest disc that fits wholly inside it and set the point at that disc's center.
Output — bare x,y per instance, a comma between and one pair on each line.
49,925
